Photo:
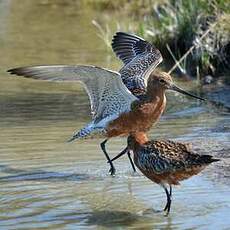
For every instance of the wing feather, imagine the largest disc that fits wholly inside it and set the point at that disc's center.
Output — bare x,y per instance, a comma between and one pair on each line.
140,58
108,95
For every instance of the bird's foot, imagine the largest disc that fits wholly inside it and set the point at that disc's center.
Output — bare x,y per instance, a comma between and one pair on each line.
135,174
112,171
167,207
167,213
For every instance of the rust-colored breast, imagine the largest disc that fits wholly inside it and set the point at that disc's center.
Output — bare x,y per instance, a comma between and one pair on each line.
172,178
140,119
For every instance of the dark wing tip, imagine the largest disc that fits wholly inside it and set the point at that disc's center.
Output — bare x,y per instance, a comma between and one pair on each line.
120,33
207,159
11,71
214,159
16,71
123,45
130,35
22,71
123,36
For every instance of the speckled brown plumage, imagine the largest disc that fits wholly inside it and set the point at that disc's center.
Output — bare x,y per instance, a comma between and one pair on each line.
167,162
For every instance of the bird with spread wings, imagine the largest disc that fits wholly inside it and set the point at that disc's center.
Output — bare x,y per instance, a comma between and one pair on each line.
111,94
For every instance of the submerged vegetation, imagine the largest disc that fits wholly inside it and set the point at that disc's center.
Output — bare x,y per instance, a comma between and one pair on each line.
177,25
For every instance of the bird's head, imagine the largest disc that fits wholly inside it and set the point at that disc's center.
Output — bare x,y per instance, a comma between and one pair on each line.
161,81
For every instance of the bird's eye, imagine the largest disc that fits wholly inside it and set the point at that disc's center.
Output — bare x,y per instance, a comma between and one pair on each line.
162,81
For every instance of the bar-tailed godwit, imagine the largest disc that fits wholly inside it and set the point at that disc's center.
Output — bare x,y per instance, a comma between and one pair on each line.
115,110
167,162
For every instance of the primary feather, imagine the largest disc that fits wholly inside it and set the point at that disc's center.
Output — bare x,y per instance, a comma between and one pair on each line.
109,97
140,58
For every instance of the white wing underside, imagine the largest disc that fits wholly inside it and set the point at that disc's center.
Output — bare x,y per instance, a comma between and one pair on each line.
109,97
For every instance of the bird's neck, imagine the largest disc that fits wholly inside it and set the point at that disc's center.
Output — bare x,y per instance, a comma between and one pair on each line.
151,108
135,147
134,143
137,139
140,138
155,93
154,103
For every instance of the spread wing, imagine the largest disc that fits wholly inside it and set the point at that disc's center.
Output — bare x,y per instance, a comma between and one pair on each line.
140,58
108,95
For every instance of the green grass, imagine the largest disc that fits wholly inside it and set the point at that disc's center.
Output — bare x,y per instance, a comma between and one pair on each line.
179,24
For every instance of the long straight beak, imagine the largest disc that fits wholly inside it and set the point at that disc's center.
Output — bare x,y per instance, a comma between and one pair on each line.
177,89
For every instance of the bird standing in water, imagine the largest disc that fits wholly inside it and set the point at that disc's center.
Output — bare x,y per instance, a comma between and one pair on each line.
167,163
116,111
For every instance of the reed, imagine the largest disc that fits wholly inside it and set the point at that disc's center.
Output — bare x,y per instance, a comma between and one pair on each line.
177,25
182,23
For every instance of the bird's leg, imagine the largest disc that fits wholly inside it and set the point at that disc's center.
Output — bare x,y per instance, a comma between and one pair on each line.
124,151
170,195
131,161
170,190
112,168
130,158
169,200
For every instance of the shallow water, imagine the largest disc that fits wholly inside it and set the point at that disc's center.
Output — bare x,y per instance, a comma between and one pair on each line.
46,183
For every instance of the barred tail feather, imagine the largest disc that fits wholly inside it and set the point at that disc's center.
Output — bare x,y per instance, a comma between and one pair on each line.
82,133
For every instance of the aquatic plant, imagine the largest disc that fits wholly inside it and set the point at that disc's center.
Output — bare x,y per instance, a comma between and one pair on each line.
181,23
177,25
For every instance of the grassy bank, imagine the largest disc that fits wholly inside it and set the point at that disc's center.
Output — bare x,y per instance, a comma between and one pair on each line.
180,24
176,25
